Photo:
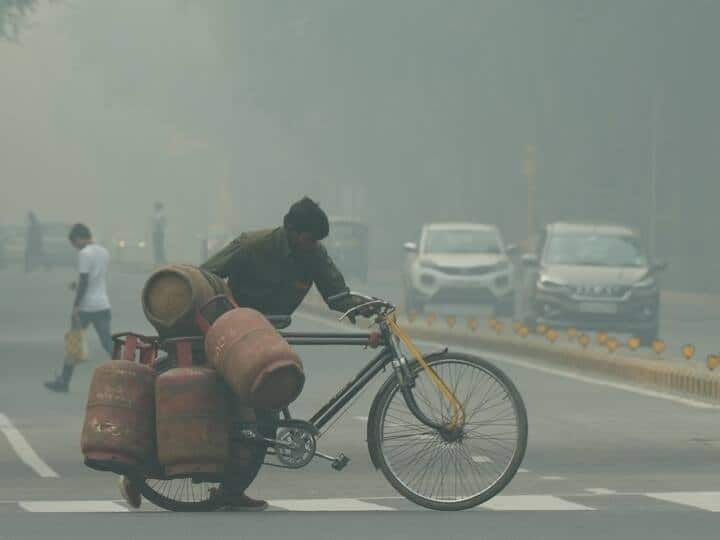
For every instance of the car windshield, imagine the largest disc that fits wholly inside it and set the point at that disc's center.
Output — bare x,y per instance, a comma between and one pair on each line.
594,250
461,241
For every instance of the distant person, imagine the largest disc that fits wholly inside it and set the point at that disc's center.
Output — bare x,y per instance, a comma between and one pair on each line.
33,242
91,305
158,233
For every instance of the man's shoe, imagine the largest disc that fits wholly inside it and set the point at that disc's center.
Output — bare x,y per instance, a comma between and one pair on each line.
130,492
57,386
240,503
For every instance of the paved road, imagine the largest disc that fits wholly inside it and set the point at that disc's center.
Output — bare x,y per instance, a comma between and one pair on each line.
601,462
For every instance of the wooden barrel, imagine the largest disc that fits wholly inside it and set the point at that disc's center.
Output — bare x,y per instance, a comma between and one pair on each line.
172,295
251,355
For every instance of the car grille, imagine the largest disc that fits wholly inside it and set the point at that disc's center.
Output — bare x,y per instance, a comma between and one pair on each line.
463,296
601,291
465,271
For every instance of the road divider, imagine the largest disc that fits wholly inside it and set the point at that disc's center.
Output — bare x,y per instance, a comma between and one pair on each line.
573,353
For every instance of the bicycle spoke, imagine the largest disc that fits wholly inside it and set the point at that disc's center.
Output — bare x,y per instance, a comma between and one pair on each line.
451,469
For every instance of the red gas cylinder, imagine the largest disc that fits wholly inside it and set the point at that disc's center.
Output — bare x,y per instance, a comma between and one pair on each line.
193,407
119,430
258,364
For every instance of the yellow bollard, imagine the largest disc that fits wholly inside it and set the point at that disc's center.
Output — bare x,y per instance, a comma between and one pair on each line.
612,344
658,346
430,318
572,333
551,335
688,351
602,338
584,341
451,320
472,323
713,361
541,328
633,343
524,331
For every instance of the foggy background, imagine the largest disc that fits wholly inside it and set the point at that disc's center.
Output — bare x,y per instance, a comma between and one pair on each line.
398,112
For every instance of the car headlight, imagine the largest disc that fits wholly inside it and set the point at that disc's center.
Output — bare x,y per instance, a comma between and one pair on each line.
646,284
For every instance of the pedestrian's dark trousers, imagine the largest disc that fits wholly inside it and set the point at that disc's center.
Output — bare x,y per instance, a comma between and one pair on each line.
239,476
159,247
101,321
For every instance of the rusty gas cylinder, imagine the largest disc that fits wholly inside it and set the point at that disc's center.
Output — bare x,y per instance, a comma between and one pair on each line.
251,355
118,434
193,407
173,294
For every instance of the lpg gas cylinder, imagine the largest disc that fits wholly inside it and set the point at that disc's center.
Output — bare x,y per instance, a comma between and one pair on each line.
118,434
193,407
251,355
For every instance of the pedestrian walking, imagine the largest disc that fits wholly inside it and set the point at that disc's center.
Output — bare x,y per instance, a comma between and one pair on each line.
91,305
33,242
158,232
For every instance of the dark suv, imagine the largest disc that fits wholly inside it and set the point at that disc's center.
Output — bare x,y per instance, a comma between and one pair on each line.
593,277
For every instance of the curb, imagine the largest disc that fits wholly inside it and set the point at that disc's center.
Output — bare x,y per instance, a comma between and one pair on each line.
643,372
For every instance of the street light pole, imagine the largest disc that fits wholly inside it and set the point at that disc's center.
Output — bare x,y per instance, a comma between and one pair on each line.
654,132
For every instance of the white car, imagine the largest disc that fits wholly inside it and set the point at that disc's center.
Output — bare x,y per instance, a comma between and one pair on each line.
459,263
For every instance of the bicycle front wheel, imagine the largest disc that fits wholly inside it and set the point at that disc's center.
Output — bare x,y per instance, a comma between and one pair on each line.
444,472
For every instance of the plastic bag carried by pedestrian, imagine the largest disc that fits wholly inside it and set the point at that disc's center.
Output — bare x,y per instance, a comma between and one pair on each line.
75,346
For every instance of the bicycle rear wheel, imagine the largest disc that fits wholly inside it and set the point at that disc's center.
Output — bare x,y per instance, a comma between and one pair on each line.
449,473
180,494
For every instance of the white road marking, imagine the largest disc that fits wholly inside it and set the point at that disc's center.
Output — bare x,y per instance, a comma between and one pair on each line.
327,505
601,491
71,506
482,459
531,503
552,371
553,478
361,418
705,500
523,470
23,449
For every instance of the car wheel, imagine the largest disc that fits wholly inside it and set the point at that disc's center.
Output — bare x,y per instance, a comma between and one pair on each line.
505,307
412,303
648,336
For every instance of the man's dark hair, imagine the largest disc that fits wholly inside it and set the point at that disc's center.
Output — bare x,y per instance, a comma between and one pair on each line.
79,232
305,216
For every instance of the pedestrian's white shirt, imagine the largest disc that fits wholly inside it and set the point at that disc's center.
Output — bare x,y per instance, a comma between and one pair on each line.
93,261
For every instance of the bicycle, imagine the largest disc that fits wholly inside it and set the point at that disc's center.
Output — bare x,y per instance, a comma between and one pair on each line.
447,430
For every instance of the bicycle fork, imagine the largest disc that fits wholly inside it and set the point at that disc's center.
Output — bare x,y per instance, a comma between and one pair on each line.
406,382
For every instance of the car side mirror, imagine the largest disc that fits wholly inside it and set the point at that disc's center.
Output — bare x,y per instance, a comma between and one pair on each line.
411,247
530,260
659,266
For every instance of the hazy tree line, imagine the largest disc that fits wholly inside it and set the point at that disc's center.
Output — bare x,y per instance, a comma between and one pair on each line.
425,107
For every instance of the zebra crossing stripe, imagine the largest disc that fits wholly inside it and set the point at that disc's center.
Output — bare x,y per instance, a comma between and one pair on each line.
71,506
704,500
327,505
524,503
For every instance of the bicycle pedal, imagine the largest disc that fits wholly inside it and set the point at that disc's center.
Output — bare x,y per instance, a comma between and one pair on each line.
340,462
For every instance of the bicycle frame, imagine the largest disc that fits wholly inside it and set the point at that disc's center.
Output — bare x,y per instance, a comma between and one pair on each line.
391,354
353,387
